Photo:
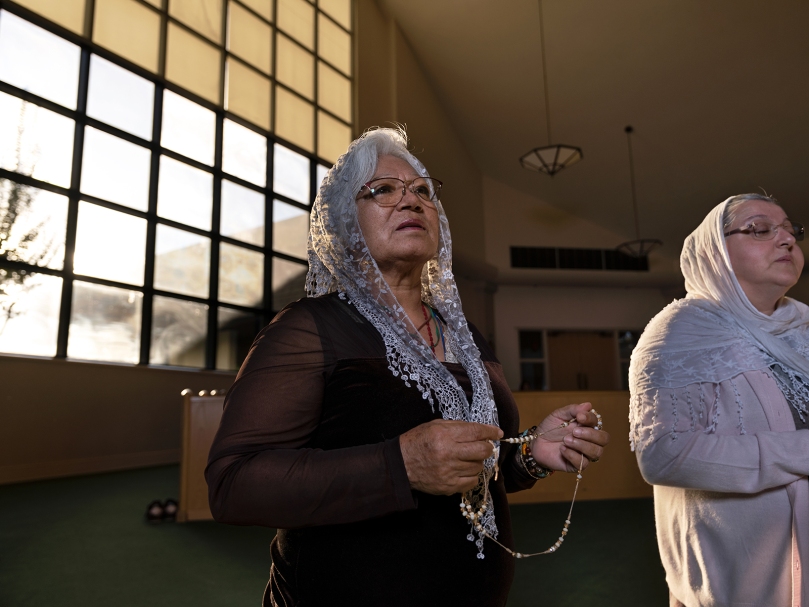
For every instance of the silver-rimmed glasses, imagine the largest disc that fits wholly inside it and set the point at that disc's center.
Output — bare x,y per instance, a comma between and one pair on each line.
761,230
389,191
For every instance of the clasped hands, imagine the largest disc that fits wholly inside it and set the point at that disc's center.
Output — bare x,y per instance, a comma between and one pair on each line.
444,457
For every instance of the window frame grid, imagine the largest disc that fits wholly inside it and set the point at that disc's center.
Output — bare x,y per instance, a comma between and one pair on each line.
74,195
543,360
159,79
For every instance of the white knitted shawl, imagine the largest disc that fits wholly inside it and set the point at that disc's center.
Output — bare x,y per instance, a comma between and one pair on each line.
715,333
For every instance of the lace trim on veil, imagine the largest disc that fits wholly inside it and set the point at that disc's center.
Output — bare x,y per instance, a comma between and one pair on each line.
339,261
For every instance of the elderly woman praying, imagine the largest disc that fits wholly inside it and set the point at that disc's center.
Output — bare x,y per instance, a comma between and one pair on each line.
719,385
366,413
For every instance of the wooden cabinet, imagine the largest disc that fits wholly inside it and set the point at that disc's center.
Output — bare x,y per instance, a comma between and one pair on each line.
583,360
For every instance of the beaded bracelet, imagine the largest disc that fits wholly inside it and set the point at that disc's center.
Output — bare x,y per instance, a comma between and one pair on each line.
529,464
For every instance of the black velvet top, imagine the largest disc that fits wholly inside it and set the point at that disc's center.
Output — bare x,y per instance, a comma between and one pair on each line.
309,444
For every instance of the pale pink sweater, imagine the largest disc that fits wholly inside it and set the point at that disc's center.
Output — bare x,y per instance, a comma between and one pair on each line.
731,494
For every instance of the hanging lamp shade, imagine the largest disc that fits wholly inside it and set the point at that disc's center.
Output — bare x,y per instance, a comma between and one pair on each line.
551,159
639,248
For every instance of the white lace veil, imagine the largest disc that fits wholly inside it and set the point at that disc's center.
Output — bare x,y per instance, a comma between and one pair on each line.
715,333
339,261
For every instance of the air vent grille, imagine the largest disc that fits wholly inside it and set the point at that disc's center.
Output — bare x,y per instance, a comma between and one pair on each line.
557,258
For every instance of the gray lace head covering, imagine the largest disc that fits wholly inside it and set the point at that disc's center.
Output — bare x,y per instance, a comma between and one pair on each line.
339,261
715,333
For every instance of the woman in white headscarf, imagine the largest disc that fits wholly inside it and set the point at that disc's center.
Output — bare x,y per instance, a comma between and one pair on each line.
364,412
719,394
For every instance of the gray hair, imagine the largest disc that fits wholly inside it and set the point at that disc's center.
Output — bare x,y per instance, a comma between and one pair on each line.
356,167
733,205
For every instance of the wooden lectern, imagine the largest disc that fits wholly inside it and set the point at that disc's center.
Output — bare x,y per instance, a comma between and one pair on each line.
201,415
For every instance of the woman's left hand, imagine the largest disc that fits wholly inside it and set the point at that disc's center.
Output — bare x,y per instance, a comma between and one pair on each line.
562,448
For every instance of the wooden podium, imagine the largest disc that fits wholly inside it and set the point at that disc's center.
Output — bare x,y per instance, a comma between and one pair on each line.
201,415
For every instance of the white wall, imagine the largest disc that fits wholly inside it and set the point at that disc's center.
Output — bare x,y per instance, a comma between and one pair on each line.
561,299
512,218
516,219
62,417
521,308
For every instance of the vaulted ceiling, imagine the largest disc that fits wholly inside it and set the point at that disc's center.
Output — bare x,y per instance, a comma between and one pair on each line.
717,91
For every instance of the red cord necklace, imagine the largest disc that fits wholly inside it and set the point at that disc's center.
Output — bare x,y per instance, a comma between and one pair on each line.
429,331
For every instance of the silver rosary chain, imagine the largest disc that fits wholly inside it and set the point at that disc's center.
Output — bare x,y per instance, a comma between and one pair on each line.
474,516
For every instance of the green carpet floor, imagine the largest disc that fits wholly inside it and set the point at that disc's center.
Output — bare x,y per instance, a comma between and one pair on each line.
82,542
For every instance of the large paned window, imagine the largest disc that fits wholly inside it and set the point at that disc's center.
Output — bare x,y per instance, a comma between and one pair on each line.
158,160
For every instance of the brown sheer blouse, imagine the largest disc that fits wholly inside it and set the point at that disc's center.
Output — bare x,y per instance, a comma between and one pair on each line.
309,444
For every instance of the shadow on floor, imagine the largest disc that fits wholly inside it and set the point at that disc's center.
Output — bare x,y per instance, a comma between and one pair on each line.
609,558
83,542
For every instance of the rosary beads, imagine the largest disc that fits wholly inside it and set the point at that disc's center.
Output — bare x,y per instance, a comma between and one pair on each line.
474,516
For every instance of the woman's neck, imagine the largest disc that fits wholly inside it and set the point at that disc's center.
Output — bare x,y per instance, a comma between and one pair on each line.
765,302
406,286
767,307
409,297
407,289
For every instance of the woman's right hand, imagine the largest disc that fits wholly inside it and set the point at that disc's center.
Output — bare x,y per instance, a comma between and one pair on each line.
444,457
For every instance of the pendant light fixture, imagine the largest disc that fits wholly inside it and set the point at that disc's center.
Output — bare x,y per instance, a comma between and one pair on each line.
553,157
640,247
